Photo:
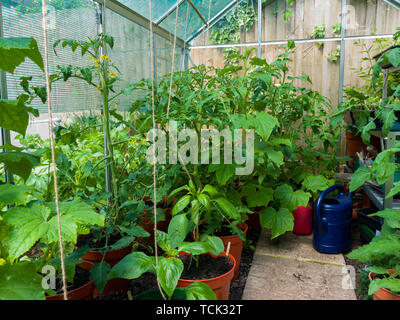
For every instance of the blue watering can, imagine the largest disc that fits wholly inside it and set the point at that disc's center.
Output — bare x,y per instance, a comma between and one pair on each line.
332,221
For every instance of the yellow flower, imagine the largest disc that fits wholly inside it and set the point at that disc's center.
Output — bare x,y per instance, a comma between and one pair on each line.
98,88
103,57
112,74
2,262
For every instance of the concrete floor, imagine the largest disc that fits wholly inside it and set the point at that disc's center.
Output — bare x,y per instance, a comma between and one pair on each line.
289,268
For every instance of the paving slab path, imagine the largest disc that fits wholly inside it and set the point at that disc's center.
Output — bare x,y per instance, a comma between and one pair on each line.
289,268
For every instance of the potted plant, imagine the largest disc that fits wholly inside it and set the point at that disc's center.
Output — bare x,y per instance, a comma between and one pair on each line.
169,267
382,258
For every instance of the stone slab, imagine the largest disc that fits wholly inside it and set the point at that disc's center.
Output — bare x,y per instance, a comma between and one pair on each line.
289,279
294,246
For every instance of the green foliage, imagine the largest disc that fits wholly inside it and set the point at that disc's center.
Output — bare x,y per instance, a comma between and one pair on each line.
318,33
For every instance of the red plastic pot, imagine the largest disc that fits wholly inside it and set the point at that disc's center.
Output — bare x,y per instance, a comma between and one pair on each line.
303,217
236,247
384,294
84,292
220,285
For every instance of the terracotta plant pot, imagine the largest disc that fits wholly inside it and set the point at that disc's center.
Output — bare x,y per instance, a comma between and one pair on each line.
112,257
220,285
354,144
236,247
384,294
84,292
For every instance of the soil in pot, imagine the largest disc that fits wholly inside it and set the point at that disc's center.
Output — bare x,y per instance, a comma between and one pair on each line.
81,289
209,267
211,270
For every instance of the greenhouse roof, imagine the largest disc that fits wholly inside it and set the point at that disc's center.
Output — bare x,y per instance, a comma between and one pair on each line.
395,3
193,16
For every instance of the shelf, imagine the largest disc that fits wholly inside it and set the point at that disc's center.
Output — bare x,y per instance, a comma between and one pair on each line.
376,195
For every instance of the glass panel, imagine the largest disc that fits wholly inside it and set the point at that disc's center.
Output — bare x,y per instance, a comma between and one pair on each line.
71,20
164,51
131,53
366,17
188,21
159,7
209,8
238,26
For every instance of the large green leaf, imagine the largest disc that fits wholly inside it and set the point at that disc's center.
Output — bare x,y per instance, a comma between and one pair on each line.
359,177
255,198
14,194
224,173
275,156
199,291
316,183
377,249
395,190
169,271
215,244
291,200
28,226
178,229
181,204
132,266
228,208
194,248
20,281
391,284
391,216
19,163
13,52
277,221
99,274
264,124
14,115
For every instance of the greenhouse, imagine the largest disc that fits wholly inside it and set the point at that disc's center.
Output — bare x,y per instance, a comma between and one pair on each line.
199,150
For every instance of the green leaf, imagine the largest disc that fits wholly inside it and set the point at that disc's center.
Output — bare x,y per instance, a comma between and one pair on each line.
391,216
20,281
28,226
210,190
215,244
391,284
194,248
80,212
134,231
257,198
204,199
378,248
291,200
224,173
365,135
316,183
275,156
13,52
132,266
277,221
19,163
181,204
99,274
14,194
14,115
228,208
264,124
178,229
359,177
395,190
123,242
169,271
199,291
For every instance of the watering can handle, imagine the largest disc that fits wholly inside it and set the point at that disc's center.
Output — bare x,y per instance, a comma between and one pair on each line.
324,194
